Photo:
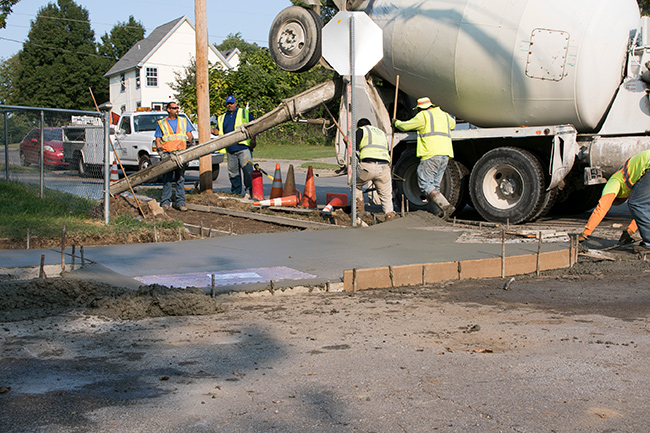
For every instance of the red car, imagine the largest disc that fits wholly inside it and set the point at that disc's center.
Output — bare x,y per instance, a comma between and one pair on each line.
30,147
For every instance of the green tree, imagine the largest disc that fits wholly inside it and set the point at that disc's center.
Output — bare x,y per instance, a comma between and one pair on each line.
59,60
122,37
5,10
645,6
8,75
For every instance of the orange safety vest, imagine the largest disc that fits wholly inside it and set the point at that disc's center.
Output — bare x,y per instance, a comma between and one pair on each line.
171,140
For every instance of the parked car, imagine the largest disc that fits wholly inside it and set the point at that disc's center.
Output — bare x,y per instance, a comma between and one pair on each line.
30,147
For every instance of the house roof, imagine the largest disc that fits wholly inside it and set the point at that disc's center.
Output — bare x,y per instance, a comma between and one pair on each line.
143,49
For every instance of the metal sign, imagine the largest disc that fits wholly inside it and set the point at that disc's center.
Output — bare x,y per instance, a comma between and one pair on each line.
368,47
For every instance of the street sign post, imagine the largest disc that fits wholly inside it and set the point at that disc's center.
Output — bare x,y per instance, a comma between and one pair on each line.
352,45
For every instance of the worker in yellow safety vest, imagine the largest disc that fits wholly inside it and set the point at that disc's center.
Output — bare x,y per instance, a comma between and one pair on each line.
172,134
630,183
434,148
374,166
238,154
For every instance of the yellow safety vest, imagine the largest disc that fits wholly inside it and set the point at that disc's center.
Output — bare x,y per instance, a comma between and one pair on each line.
239,121
373,144
435,138
628,175
171,140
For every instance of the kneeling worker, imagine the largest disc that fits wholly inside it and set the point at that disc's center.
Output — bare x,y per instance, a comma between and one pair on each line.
434,149
374,166
629,182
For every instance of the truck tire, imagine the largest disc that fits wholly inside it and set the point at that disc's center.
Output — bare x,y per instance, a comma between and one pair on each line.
78,164
405,182
215,172
295,39
23,160
144,161
579,201
507,184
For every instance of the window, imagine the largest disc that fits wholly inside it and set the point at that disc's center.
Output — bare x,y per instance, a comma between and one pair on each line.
125,125
137,78
152,77
122,84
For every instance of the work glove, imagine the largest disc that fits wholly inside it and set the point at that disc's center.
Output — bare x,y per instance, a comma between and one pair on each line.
626,238
582,237
394,123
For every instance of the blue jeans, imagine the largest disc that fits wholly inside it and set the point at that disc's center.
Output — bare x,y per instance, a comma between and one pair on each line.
430,172
176,176
238,161
639,204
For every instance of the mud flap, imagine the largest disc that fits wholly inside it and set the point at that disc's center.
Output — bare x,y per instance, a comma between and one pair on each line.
565,149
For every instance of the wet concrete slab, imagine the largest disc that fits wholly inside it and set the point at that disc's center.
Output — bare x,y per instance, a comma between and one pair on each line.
307,256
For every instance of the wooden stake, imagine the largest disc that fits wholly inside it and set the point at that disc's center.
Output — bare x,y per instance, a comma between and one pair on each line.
539,253
41,271
392,137
212,287
503,252
81,252
73,252
28,237
63,249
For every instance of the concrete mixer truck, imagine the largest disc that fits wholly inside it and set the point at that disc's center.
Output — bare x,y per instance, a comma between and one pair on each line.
554,93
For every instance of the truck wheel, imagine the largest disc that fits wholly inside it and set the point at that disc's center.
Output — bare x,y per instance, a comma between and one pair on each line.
507,184
23,160
215,172
78,164
406,182
295,39
144,162
579,201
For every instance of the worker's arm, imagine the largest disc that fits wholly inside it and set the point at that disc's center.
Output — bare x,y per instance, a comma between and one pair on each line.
604,204
189,136
158,144
411,125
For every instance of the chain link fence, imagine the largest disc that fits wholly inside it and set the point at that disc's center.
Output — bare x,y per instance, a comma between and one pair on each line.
64,150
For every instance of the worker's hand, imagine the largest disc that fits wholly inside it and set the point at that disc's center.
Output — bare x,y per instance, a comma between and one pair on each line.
394,123
626,238
582,237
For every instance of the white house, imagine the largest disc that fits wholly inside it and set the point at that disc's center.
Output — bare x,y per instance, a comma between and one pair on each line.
142,77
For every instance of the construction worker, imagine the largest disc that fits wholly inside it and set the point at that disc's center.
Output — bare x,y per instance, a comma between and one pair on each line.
434,149
374,166
238,154
627,183
172,134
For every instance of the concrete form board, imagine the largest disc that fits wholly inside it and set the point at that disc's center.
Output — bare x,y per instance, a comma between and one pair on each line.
436,272
409,275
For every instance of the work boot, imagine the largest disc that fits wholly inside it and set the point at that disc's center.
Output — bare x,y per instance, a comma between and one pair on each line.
436,197
390,216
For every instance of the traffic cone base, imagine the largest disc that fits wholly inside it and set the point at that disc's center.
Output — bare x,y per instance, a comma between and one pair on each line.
276,189
290,201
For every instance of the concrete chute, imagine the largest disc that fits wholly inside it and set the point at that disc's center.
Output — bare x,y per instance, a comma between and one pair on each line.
288,110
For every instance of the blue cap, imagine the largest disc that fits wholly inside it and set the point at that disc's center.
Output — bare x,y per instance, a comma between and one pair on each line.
231,100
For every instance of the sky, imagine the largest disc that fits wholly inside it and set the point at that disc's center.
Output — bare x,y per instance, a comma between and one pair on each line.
251,18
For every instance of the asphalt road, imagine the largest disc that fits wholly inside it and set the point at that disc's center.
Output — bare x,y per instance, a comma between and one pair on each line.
556,354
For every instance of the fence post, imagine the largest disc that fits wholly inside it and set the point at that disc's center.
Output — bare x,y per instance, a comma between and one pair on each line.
41,162
107,139
6,148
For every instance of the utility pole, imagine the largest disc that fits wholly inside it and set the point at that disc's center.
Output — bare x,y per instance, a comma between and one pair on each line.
203,92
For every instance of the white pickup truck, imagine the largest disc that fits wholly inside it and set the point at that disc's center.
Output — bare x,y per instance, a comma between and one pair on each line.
134,141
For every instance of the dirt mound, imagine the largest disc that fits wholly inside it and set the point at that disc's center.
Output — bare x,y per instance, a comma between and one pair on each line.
20,300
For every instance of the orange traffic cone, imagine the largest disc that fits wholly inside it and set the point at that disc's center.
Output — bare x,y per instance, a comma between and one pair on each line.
276,189
290,184
309,197
335,200
114,174
280,201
